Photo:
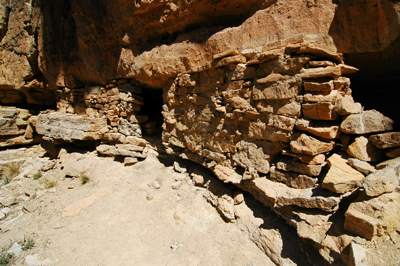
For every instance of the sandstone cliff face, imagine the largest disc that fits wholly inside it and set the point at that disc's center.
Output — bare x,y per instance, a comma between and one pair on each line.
257,91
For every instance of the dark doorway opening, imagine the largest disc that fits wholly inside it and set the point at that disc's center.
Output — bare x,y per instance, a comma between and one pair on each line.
153,102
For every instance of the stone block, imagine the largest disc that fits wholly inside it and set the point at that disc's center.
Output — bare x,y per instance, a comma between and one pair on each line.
346,106
363,149
378,216
361,166
341,177
384,180
321,72
305,144
318,86
386,140
307,159
289,165
322,130
370,121
249,156
292,179
319,111
71,127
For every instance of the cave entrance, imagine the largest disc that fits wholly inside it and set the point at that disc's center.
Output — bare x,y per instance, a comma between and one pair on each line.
377,84
151,112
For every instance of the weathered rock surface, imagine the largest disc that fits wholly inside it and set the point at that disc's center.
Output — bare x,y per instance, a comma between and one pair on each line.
363,150
361,166
308,145
341,177
70,127
369,217
386,140
370,121
384,180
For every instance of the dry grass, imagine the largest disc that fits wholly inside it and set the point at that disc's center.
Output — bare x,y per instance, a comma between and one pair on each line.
9,171
48,183
83,178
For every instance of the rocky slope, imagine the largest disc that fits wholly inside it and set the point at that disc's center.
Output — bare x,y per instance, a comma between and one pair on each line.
257,91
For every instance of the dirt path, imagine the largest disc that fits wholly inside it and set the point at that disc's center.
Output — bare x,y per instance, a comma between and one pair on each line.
118,219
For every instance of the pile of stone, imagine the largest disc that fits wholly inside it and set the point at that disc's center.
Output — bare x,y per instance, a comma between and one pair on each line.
282,124
17,127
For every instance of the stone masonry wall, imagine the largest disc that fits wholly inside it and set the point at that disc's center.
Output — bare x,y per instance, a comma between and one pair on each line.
282,124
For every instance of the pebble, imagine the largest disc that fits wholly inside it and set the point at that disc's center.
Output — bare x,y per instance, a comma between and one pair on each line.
179,169
154,184
176,185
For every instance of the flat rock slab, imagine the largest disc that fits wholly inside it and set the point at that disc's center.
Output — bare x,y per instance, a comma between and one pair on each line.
341,177
305,144
386,140
71,127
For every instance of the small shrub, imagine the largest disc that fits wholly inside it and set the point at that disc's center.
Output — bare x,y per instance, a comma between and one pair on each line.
84,178
48,183
28,244
37,175
6,180
5,259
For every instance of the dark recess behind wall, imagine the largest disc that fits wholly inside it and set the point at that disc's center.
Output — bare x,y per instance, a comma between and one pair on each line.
377,84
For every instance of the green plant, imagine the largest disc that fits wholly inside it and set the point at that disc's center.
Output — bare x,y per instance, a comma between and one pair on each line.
37,175
6,180
27,244
48,183
5,259
84,178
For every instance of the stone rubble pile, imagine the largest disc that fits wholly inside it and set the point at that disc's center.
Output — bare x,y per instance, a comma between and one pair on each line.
282,124
17,127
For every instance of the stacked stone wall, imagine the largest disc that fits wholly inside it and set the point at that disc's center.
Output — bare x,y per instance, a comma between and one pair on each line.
282,124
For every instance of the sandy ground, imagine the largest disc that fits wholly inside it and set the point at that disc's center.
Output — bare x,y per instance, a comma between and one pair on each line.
117,219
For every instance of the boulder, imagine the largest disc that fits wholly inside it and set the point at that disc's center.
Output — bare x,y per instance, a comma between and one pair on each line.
341,177
386,140
363,149
370,121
